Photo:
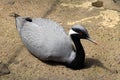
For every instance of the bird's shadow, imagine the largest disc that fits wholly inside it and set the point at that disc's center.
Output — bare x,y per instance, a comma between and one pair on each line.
89,62
97,63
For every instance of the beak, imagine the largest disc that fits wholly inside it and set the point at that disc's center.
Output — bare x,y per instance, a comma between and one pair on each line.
92,41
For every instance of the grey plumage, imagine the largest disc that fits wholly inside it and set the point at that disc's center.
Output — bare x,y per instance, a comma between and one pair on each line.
46,39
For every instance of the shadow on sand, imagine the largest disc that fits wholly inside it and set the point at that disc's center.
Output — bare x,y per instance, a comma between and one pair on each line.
95,62
89,62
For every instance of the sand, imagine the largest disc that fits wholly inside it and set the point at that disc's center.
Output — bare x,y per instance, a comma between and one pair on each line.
103,24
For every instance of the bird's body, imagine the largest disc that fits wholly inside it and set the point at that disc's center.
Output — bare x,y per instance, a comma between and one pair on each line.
48,41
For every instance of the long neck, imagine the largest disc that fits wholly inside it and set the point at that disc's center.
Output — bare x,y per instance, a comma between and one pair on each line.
79,59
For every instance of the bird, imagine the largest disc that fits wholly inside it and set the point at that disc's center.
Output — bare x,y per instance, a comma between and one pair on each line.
48,41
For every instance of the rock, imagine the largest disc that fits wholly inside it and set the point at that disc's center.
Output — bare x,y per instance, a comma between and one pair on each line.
4,69
116,1
97,4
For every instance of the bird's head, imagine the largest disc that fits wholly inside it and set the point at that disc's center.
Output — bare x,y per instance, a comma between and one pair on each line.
80,32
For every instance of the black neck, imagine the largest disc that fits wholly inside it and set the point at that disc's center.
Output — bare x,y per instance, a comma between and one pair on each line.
78,62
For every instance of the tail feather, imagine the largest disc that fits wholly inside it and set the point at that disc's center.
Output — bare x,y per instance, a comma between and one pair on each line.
13,14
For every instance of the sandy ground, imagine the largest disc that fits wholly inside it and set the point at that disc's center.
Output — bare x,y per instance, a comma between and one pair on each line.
103,24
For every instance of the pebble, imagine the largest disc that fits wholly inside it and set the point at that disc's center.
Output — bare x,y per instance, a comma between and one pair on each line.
97,4
4,69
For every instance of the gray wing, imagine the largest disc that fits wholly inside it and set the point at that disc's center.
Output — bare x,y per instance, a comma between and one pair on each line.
46,39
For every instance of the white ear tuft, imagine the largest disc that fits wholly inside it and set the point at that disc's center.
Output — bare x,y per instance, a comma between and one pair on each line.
72,32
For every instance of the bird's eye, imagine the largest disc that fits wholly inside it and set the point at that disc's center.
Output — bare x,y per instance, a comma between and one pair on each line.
80,33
